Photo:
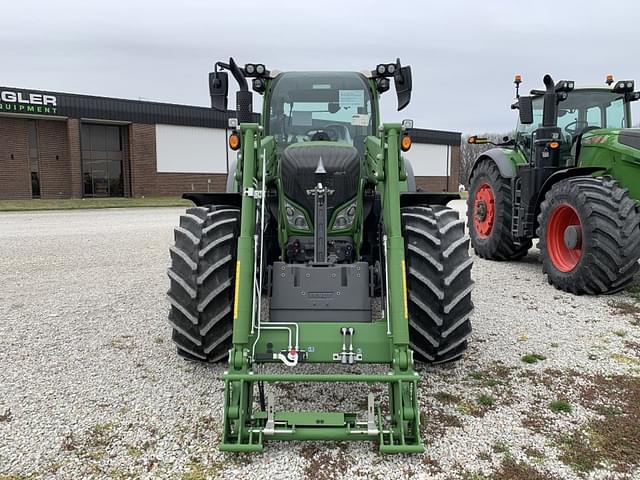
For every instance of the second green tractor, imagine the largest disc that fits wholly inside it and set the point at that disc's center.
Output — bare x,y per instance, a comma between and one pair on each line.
570,176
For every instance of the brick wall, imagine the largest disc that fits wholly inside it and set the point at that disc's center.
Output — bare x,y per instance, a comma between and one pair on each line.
432,184
75,157
61,164
146,181
55,168
15,176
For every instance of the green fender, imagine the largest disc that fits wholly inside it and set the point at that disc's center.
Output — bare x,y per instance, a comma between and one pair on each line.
506,159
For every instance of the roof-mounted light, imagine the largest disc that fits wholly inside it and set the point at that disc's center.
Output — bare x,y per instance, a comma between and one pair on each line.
385,70
623,86
255,70
565,86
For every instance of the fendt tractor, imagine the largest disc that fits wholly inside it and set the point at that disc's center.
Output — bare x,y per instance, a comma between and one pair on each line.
571,177
316,226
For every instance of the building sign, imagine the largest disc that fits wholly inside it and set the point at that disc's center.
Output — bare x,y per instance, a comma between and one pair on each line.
15,101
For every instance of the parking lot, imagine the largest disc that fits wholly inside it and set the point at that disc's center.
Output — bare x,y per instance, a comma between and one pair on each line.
90,384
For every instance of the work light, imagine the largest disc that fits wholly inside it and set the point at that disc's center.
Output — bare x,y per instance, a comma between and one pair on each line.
624,86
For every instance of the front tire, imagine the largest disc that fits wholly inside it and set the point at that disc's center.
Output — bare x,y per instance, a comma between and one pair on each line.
589,236
438,269
489,212
202,273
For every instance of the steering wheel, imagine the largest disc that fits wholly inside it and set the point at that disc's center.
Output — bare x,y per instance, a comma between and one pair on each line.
333,131
317,134
578,125
586,129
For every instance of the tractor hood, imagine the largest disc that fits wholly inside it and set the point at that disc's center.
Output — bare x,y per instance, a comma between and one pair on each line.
630,137
336,166
612,137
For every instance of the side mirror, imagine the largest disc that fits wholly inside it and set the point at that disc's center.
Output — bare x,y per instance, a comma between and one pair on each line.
218,89
525,108
402,80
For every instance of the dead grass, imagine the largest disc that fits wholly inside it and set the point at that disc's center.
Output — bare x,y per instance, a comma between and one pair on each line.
627,309
512,470
613,439
321,464
123,342
5,416
435,423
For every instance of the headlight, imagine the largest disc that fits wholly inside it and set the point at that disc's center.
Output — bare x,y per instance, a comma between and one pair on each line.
345,217
295,217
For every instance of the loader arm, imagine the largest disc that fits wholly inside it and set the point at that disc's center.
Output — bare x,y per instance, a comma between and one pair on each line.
384,341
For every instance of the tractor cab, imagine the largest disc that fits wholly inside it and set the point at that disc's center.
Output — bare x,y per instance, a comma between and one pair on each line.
305,107
583,110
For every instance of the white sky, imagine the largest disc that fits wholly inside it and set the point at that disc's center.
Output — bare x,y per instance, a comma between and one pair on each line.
463,53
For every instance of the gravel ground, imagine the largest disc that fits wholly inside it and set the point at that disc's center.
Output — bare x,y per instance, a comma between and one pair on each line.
90,385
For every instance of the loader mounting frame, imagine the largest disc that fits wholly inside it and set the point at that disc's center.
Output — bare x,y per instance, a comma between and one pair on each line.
384,341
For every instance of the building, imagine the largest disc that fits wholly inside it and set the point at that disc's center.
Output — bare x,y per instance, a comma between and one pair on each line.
61,145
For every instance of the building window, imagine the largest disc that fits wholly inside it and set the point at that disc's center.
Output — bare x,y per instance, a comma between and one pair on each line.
102,160
34,158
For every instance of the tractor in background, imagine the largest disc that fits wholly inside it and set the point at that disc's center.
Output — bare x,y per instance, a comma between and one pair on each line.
570,177
319,225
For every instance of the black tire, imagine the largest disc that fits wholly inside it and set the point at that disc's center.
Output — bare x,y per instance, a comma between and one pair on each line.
610,224
438,283
202,275
498,244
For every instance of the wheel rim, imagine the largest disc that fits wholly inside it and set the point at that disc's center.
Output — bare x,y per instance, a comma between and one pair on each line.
564,238
484,211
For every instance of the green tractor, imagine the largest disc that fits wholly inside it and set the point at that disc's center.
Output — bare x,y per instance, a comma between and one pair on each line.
571,177
319,253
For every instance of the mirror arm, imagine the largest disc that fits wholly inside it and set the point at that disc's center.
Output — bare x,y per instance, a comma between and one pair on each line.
235,71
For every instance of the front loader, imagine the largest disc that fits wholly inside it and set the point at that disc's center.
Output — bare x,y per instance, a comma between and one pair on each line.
319,254
570,177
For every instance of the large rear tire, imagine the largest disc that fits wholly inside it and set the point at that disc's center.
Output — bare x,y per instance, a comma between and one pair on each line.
438,283
589,235
202,275
489,212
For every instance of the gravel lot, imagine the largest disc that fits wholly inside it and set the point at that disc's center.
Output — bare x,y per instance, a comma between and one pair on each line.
90,385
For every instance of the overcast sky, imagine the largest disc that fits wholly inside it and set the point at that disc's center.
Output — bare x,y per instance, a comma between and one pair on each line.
463,53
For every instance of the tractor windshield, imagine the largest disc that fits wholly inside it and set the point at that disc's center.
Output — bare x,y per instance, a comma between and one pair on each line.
332,106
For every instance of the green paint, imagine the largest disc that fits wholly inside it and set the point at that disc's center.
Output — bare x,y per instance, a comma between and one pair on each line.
243,429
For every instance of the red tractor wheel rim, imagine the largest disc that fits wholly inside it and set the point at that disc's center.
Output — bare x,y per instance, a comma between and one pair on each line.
484,210
563,256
